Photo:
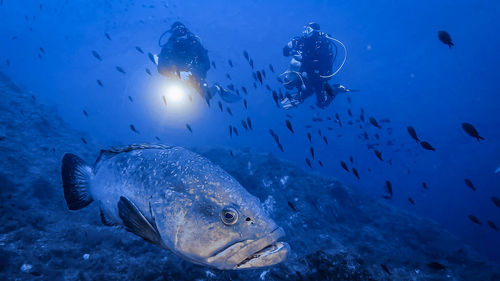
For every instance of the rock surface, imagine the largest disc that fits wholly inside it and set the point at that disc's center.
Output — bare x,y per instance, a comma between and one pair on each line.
335,233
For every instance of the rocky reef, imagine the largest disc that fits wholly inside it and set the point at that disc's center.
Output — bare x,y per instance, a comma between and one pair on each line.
335,232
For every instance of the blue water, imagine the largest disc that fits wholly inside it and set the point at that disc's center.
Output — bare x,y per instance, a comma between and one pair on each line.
404,74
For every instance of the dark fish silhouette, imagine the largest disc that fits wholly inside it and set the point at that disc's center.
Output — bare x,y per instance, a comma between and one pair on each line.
213,65
344,166
229,111
374,122
259,76
96,55
378,154
245,104
85,113
249,122
276,99
245,54
263,73
157,138
349,112
83,140
230,62
132,127
351,159
471,130
119,69
436,266
468,182
148,72
189,128
231,153
271,68
308,162
151,58
493,225
107,36
220,106
139,50
230,131
312,152
42,50
244,89
290,204
427,146
309,137
385,269
251,63
495,201
445,37
289,126
100,83
130,99
355,172
411,201
320,163
474,219
413,133
388,188
244,124
325,140
424,185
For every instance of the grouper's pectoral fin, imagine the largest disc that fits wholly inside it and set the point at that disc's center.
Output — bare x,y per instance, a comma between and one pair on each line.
105,220
136,222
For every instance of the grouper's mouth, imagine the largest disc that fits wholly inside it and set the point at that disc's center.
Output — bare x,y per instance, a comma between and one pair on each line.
265,251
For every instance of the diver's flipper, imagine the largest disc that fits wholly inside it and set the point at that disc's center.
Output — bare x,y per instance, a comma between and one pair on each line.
105,220
224,94
76,176
288,103
136,222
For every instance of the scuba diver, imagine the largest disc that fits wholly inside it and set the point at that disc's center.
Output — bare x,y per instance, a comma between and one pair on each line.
313,54
185,57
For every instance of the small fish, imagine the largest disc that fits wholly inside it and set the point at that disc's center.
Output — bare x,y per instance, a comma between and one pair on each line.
290,204
351,159
42,50
236,131
245,54
245,104
229,111
107,36
96,55
388,188
244,89
349,112
374,122
424,185
471,130
100,83
271,68
468,182
213,65
157,138
320,163
413,133
119,69
230,131
445,37
325,140
344,166
276,99
251,63
189,128
244,124
230,62
474,219
85,113
148,72
259,76
312,152
151,58
249,122
496,201
355,172
164,100
83,140
385,269
378,154
139,50
411,201
435,266
231,153
427,146
308,162
289,126
493,225
309,137
132,127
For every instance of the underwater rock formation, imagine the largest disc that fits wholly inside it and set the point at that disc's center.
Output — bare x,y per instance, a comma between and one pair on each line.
335,232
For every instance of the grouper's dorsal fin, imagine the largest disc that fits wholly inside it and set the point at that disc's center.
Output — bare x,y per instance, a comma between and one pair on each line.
136,222
108,153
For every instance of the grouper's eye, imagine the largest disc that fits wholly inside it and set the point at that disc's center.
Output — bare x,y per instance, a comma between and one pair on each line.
229,216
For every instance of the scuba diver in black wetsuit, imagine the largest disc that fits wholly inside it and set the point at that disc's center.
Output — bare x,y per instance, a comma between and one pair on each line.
313,54
184,55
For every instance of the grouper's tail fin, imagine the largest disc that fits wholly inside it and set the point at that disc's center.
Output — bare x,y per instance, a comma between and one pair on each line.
76,176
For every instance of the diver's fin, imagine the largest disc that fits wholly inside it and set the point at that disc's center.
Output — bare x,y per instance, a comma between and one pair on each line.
76,176
228,97
105,220
136,222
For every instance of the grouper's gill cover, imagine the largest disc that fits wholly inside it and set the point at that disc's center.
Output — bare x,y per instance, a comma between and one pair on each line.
181,201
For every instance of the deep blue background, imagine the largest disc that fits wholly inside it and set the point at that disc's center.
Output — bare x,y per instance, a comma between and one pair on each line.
404,72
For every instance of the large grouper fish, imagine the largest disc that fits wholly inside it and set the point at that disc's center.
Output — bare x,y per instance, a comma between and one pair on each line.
178,200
